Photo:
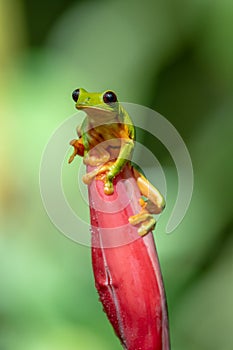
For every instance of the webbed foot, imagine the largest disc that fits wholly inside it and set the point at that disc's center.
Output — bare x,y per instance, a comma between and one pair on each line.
103,173
146,220
78,149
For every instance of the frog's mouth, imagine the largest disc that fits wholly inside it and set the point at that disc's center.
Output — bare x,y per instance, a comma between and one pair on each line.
99,114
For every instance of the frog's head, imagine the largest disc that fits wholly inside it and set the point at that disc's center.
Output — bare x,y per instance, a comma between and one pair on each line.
97,105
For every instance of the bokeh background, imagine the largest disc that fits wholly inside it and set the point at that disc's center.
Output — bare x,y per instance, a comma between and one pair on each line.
175,56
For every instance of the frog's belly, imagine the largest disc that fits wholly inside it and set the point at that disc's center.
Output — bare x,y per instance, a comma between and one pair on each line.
113,147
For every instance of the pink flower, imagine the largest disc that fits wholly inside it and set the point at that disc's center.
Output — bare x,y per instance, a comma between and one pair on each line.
126,266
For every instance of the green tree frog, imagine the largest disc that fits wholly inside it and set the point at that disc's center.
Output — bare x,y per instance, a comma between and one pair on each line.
106,142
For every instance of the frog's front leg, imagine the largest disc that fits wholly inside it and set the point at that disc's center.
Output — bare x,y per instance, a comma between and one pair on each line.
123,157
112,168
96,156
78,149
87,178
154,204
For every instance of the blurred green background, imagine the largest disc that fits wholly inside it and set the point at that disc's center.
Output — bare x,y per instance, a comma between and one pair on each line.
175,56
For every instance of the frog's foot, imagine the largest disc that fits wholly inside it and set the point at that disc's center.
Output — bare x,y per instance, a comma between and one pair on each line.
72,156
100,173
87,178
78,149
108,187
146,220
147,226
96,157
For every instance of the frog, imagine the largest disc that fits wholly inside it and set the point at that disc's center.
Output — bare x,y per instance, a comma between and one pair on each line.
106,140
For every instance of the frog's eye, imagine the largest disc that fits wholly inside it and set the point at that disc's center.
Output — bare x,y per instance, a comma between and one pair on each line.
75,95
109,97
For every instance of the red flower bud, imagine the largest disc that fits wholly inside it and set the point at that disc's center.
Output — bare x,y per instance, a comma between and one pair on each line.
126,267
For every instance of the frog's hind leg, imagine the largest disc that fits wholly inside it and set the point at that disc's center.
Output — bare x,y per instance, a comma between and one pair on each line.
156,202
153,204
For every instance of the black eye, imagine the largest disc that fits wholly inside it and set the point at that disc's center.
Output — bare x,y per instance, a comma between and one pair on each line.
109,97
75,95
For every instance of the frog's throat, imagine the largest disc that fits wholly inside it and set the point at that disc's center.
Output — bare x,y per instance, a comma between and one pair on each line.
99,115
